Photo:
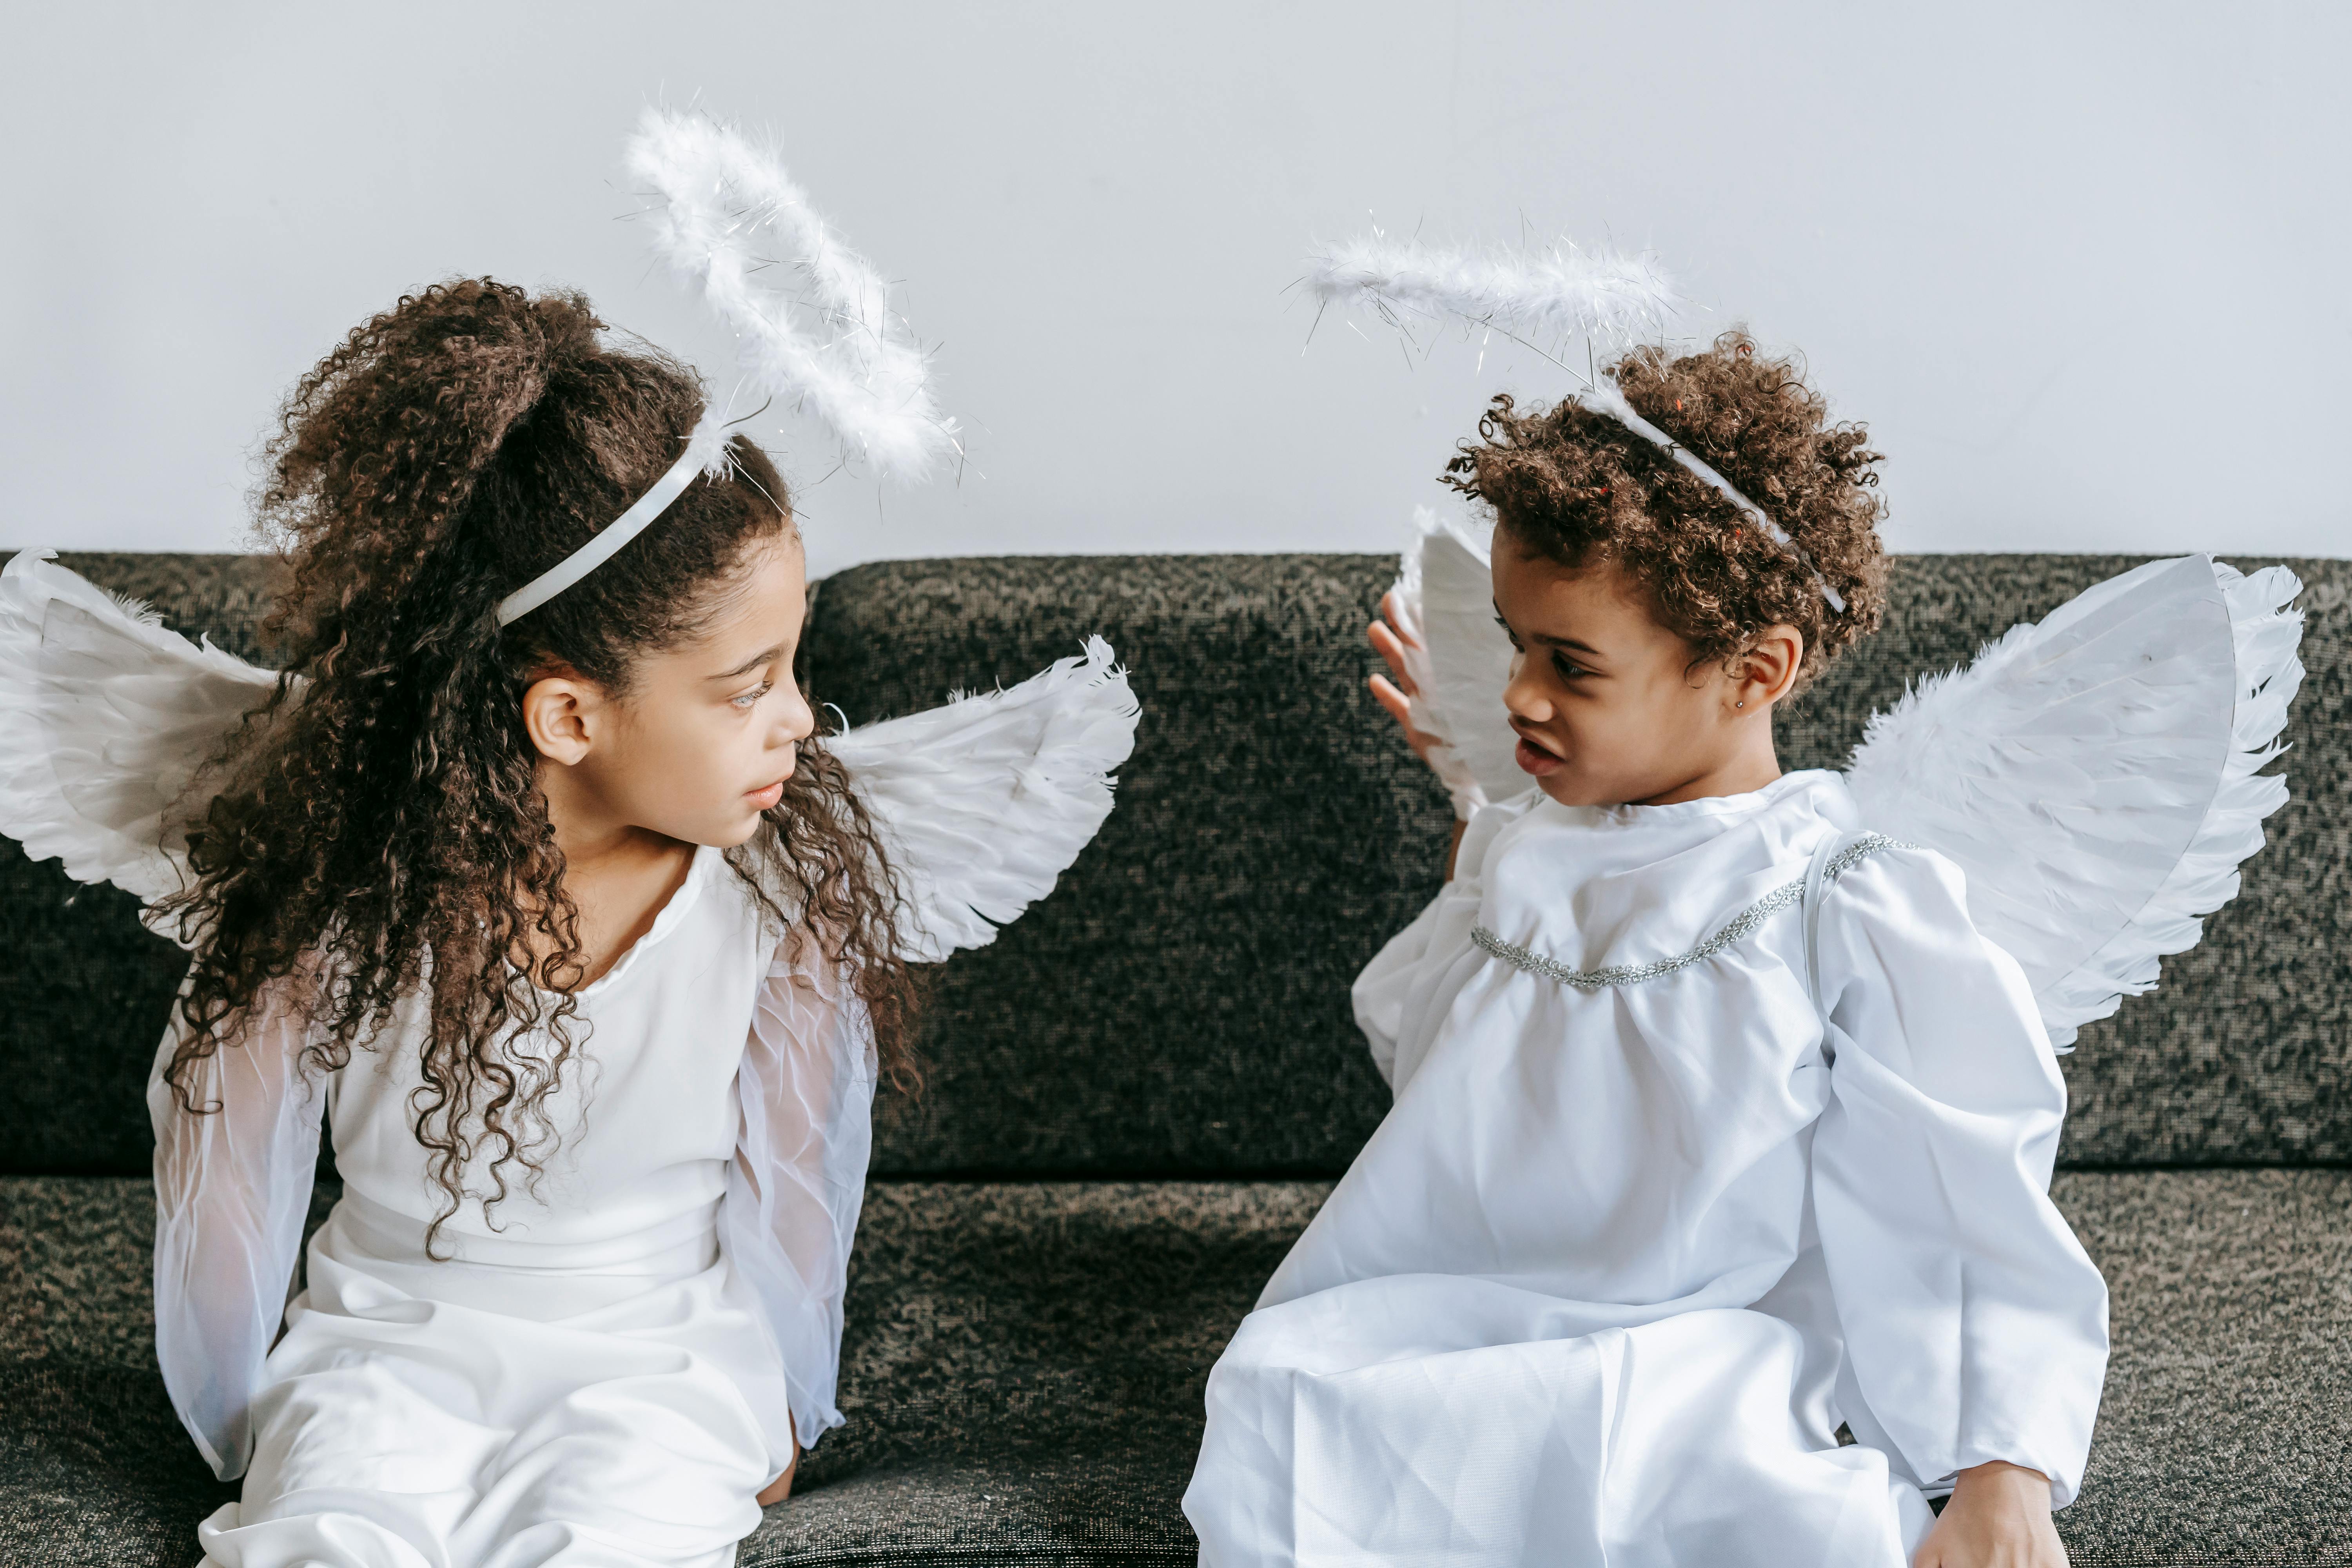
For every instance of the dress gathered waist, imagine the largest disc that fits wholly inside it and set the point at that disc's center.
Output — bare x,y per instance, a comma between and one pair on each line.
676,1248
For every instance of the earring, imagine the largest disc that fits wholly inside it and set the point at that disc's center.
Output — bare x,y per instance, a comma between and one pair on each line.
1741,703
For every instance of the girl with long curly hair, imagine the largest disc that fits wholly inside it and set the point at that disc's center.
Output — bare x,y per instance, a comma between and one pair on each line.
1678,1181
536,889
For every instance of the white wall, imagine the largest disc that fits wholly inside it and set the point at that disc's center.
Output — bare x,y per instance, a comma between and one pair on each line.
2081,267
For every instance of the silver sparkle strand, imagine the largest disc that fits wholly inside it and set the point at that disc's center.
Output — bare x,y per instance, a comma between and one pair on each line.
1740,926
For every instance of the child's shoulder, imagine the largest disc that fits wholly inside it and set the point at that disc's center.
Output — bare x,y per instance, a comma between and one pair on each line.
1873,875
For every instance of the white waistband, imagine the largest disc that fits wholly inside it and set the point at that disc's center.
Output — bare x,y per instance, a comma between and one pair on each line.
682,1244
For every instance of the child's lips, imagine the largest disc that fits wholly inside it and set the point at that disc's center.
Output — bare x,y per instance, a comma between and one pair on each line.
1535,760
762,799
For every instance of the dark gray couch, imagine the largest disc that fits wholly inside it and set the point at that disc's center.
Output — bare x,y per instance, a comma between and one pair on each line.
1140,1092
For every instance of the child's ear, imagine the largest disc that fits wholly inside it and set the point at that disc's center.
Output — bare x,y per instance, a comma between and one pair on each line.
560,712
1766,669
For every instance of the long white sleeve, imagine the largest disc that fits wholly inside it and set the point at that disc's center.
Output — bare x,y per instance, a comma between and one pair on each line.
798,1180
1399,976
231,1188
1976,1326
1385,988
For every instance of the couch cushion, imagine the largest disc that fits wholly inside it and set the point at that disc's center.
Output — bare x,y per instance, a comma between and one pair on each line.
1270,835
1023,1366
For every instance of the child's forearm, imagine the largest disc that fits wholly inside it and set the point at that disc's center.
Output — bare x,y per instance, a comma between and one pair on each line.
1453,847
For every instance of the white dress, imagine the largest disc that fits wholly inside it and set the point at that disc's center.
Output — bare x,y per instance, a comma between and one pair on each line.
593,1373
1626,1254
607,1367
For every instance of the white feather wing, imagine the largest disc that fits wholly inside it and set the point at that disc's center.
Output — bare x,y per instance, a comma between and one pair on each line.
1445,598
2098,775
985,801
105,718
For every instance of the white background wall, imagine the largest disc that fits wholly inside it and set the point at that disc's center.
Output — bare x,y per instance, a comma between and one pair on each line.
2081,266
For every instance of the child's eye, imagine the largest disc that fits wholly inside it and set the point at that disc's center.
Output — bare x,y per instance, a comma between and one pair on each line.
1566,667
1508,632
751,699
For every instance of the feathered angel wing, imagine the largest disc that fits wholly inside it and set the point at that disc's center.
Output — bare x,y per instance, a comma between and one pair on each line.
2098,775
105,717
984,801
1445,598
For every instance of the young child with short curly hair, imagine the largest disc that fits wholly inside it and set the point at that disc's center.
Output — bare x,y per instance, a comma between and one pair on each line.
1695,1236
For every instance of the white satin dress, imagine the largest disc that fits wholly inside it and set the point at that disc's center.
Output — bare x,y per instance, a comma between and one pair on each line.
604,1372
1627,1252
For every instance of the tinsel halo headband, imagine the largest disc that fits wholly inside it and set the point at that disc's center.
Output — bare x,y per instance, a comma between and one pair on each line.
727,220
1559,295
1603,397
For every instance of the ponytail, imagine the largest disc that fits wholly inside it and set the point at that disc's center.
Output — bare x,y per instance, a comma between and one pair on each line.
386,805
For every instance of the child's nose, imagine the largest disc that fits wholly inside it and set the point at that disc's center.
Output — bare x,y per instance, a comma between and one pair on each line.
795,722
1523,698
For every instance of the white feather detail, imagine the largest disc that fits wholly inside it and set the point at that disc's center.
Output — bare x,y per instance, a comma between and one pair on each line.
105,718
985,801
1445,598
730,221
2096,776
1543,300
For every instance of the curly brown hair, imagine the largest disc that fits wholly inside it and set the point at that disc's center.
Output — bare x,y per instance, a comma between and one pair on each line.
1574,486
383,805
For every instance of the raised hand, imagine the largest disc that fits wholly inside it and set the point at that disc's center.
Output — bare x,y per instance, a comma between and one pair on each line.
1390,639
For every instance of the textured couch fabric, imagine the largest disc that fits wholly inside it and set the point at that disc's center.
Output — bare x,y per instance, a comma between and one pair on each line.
1023,1365
1139,1092
1270,835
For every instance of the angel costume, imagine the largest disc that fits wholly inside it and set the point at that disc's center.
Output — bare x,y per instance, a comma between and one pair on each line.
608,1367
1722,1125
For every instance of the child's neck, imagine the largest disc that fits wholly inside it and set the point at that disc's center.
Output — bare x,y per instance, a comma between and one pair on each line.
620,877
1749,765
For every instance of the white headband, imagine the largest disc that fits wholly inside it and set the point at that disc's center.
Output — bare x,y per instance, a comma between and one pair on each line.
1603,398
728,220
1559,295
608,540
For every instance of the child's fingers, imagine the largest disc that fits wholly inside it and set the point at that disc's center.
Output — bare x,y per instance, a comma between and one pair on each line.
1388,614
1400,708
1390,648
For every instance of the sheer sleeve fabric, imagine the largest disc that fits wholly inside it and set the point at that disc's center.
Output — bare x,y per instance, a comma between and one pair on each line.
232,1190
794,1192
1975,1324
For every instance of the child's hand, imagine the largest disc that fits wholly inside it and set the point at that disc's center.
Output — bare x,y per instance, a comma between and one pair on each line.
1389,640
1999,1518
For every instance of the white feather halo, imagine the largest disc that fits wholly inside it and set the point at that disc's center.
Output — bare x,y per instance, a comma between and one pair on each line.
732,223
1544,300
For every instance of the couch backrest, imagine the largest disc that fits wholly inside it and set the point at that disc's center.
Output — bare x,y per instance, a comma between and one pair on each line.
1178,1005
